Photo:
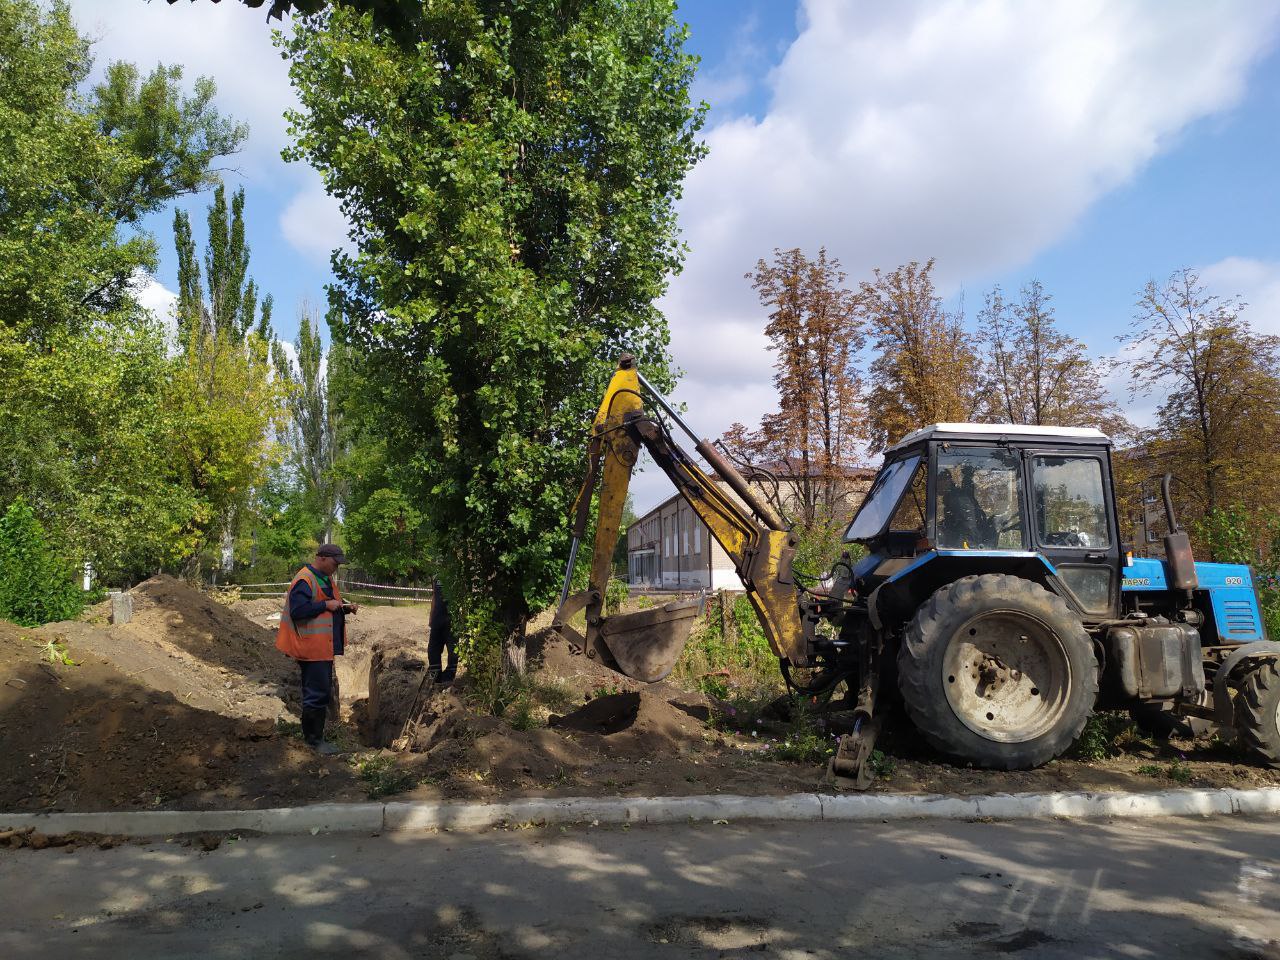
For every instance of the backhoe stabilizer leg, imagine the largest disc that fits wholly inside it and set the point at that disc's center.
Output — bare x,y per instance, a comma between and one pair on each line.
853,753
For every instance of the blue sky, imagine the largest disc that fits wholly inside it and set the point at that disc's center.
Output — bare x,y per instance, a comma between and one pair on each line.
1091,145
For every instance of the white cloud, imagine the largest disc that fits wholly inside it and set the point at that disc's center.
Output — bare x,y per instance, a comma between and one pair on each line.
1255,282
977,132
155,297
313,221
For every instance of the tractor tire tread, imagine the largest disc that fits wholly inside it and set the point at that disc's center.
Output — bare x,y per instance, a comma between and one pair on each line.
1256,712
932,715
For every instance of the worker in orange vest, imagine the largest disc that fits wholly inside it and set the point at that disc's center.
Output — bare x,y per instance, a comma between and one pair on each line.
312,631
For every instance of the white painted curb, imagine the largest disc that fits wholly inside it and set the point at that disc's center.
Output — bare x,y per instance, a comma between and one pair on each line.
419,816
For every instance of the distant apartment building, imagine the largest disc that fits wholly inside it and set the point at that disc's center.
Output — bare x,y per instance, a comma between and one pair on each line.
670,548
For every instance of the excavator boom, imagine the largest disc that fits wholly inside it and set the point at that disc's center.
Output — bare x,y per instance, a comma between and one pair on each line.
645,645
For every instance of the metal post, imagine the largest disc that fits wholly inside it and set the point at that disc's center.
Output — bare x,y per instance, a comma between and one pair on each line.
568,570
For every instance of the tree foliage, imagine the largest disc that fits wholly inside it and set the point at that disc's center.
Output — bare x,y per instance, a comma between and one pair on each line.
511,181
314,425
1218,425
36,584
815,331
75,166
222,393
1034,373
86,436
925,369
230,303
89,426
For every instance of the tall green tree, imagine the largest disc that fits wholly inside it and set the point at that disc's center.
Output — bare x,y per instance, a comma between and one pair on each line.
230,303
315,425
511,181
85,378
225,400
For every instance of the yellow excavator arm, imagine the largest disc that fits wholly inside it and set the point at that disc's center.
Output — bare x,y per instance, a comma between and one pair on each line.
645,645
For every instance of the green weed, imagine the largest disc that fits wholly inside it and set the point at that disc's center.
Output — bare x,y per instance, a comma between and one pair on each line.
1177,771
288,728
882,767
55,651
806,746
382,776
1107,735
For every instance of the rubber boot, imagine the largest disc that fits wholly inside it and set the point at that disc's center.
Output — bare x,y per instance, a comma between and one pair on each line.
313,731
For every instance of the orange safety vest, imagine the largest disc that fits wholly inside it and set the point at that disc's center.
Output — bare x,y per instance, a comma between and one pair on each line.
311,639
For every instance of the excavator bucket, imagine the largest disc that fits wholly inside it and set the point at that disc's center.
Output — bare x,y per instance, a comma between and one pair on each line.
646,644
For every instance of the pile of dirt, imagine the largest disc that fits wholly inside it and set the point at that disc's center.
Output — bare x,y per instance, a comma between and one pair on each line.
169,612
83,735
638,723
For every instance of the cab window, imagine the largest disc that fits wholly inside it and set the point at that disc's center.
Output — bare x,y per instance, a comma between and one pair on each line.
978,507
1069,502
910,515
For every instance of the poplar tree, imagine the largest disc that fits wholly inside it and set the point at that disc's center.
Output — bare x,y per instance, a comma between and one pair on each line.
227,402
510,177
315,424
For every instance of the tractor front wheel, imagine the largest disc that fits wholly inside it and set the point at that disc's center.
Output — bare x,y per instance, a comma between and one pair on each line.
997,671
1257,710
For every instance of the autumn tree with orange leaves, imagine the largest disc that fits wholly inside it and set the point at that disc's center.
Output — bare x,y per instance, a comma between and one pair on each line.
925,369
1034,373
813,438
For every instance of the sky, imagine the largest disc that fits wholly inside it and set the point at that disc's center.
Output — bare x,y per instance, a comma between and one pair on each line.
1090,145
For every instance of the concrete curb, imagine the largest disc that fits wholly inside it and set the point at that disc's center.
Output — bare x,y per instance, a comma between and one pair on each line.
420,816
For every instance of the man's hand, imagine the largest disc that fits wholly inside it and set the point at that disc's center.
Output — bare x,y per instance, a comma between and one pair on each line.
352,607
333,606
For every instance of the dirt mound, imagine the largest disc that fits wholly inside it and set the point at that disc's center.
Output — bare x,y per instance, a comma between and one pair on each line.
550,654
89,737
637,723
168,612
453,739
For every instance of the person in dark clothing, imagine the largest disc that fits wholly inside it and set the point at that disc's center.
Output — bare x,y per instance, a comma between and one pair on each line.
440,638
313,632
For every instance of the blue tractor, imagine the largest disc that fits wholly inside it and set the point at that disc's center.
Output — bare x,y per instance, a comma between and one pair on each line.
994,596
996,581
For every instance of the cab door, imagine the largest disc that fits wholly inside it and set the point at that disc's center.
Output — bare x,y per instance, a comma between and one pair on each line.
1072,524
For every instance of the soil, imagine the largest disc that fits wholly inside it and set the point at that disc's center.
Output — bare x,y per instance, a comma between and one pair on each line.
189,705
93,737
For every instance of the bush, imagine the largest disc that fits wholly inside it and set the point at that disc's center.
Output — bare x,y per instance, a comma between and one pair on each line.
36,585
615,595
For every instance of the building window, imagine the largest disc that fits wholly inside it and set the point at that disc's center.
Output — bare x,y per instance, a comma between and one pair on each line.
697,538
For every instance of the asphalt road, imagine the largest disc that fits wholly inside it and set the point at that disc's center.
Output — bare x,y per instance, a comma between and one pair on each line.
1203,889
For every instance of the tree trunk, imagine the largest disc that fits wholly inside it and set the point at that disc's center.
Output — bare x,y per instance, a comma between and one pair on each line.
513,643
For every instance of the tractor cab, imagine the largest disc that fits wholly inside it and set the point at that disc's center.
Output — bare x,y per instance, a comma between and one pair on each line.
1036,502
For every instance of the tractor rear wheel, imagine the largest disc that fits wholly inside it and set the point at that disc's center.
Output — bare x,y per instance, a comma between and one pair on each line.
1257,710
997,671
